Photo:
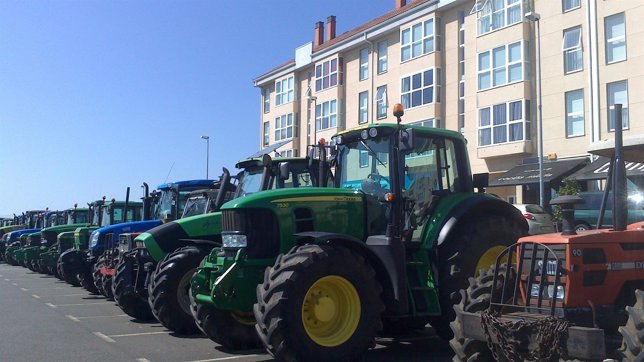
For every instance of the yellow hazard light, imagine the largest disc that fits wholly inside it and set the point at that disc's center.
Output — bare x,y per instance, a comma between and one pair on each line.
399,111
322,141
389,197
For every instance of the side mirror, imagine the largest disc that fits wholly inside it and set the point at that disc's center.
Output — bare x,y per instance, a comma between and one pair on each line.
406,140
480,181
285,170
267,160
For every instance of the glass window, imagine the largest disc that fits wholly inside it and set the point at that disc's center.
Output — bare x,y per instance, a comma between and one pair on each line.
284,127
267,130
364,159
500,66
496,14
573,59
615,34
267,100
504,122
326,115
568,5
418,89
363,110
382,56
328,74
381,102
418,40
284,91
575,113
364,63
617,93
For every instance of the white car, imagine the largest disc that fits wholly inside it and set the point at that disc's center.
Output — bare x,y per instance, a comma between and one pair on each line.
539,220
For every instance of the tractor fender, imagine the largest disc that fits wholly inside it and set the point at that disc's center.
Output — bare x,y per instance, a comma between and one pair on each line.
479,204
200,242
73,261
385,254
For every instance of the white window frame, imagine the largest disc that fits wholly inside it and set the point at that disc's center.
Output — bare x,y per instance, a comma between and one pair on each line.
364,64
332,76
487,12
427,40
284,127
363,107
571,46
381,102
505,67
326,111
383,48
610,98
406,96
615,39
284,91
267,133
569,5
492,127
267,100
572,116
363,159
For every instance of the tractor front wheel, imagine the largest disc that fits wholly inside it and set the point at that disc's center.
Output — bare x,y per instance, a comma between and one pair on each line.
231,329
476,299
125,295
472,249
169,291
318,303
632,332
87,281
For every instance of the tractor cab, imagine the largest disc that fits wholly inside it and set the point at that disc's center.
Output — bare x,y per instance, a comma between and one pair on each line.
76,215
201,202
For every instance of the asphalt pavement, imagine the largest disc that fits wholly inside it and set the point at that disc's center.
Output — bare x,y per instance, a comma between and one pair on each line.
45,319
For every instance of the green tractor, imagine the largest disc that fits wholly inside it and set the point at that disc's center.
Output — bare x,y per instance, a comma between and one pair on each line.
17,250
324,271
173,251
38,244
71,219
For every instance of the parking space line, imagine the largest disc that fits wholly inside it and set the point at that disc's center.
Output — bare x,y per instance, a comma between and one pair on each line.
138,334
24,289
6,280
35,296
142,360
50,305
102,316
228,358
79,304
104,337
72,318
14,284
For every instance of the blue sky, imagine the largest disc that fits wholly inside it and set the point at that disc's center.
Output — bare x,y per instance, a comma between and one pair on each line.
98,95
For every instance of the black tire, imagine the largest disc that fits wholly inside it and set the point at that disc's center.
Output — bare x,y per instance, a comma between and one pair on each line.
125,294
476,299
459,256
633,331
582,226
232,330
99,279
60,266
284,295
87,281
169,292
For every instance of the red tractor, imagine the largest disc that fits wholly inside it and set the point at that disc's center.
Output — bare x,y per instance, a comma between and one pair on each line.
565,295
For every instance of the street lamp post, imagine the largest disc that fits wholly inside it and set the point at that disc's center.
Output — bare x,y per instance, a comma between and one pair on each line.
207,138
534,17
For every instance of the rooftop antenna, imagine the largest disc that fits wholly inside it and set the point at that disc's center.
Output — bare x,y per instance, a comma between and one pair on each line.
168,175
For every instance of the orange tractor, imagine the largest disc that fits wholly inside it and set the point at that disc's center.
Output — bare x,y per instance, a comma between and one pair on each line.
564,295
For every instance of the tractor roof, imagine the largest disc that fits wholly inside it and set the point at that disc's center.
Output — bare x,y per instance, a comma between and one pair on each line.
168,185
257,161
390,127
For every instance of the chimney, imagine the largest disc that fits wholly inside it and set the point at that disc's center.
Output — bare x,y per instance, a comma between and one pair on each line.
330,28
318,39
400,4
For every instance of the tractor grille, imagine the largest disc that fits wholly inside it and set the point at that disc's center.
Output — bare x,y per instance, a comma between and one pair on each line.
49,237
540,281
260,227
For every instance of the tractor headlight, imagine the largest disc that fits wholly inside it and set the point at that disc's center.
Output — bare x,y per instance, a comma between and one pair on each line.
93,239
548,291
233,240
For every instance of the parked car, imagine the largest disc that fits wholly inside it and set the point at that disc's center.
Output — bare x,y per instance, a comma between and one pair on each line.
586,214
539,220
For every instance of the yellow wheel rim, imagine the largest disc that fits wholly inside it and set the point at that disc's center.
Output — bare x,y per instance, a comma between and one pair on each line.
489,258
331,311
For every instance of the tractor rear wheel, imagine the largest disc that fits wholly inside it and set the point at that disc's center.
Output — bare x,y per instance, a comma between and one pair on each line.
318,303
472,249
476,299
169,291
632,332
101,281
87,281
60,266
125,295
230,329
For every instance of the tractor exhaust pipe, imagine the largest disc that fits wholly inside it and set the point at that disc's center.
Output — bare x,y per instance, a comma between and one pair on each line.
620,196
127,201
147,213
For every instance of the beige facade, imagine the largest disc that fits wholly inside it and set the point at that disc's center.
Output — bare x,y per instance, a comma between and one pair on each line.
469,66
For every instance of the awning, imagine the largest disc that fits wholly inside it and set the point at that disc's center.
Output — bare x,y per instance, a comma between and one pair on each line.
528,174
599,170
269,149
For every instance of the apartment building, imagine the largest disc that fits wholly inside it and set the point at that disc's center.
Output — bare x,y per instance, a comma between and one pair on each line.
474,67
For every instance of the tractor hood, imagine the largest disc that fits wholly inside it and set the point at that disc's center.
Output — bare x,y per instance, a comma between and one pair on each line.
98,239
15,235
